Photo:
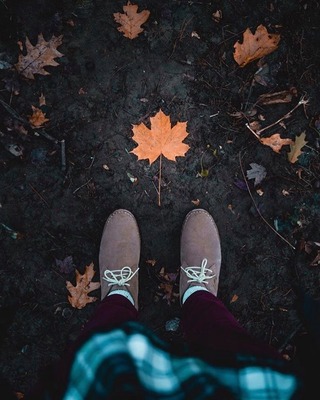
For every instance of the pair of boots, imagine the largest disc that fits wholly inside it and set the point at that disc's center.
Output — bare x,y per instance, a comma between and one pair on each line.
119,256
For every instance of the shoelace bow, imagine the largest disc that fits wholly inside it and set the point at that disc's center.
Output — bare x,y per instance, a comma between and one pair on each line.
119,277
199,274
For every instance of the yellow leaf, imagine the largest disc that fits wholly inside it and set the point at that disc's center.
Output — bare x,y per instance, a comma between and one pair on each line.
255,46
295,148
275,142
39,56
131,20
79,294
160,139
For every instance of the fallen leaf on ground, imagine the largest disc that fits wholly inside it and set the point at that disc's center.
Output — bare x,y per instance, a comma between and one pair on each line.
42,100
255,46
275,142
217,16
234,298
167,286
161,139
284,96
79,294
316,261
39,56
257,172
295,148
131,20
38,118
66,265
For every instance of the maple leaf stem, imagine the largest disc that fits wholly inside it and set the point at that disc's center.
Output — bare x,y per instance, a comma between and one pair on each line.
159,183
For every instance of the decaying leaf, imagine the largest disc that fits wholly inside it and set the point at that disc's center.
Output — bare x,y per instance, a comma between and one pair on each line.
66,265
257,172
316,261
131,20
275,142
284,96
38,118
79,294
39,56
42,100
161,139
234,298
255,46
295,148
168,285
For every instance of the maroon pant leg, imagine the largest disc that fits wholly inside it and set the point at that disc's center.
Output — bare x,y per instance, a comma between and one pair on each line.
110,313
210,327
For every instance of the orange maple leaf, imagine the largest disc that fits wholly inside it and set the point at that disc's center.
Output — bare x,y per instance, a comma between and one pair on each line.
39,56
38,118
161,139
131,20
79,294
255,46
275,142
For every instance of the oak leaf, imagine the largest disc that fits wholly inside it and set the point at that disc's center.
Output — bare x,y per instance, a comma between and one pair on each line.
295,148
275,142
38,56
79,294
131,20
38,118
255,46
161,139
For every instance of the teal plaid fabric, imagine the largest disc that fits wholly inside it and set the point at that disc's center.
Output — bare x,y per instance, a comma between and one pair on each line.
132,363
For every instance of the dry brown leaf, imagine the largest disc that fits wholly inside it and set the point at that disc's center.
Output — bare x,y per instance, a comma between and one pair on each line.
275,142
255,46
131,20
38,56
42,100
38,118
295,148
79,294
234,298
284,96
160,139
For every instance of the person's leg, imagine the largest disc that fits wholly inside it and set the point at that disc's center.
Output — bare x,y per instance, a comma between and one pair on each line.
118,264
206,321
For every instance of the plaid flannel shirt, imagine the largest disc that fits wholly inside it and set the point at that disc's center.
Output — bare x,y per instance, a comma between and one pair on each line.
132,363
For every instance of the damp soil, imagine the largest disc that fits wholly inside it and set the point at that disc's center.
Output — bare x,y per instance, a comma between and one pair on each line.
182,63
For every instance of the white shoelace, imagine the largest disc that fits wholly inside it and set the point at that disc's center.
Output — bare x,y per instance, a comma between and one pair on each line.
199,274
119,277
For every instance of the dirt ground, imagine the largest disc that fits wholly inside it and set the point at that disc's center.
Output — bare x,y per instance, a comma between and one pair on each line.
182,63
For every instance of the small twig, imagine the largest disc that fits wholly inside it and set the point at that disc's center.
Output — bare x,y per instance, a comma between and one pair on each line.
13,112
256,207
63,155
302,101
41,197
80,187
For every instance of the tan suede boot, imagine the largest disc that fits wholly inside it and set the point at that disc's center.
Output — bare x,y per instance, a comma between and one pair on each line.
200,253
119,255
